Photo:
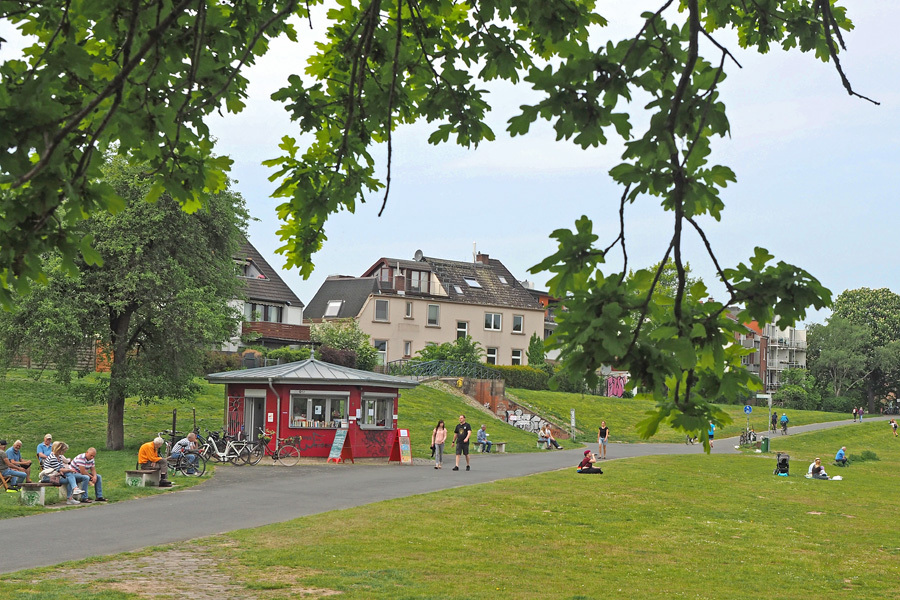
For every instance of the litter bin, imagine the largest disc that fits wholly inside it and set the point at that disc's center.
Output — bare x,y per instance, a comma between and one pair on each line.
765,444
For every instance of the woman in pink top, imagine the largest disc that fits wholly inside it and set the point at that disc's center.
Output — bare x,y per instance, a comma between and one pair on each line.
438,437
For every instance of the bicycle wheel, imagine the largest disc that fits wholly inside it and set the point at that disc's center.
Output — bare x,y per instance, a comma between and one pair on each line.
288,456
239,455
197,469
257,451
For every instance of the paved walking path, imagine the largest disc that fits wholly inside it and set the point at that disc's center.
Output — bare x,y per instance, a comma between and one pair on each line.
242,497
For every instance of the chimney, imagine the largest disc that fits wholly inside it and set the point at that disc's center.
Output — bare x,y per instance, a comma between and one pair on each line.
482,258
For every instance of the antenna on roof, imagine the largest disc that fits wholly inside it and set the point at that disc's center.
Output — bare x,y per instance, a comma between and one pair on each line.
474,252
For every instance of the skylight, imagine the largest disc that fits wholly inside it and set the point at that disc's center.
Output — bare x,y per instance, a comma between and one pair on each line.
472,282
334,307
502,279
458,289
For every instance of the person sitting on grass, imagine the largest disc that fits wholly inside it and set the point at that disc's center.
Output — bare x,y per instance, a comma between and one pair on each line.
586,466
14,456
818,471
149,459
841,457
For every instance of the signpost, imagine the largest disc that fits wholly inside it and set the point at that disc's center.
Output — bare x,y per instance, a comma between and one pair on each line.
572,412
747,410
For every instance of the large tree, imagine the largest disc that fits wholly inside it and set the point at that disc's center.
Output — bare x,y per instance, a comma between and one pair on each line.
154,294
836,354
384,64
879,312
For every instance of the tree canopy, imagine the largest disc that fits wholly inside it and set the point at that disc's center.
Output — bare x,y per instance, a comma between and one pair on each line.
155,297
382,65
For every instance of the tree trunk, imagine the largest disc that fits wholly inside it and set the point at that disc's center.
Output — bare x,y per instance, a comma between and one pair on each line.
115,403
870,394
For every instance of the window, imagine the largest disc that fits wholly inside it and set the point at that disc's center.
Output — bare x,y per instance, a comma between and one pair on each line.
377,411
417,281
262,312
491,357
384,274
319,409
516,357
407,349
493,321
381,310
409,310
381,348
502,279
518,323
462,329
472,282
434,315
458,290
333,308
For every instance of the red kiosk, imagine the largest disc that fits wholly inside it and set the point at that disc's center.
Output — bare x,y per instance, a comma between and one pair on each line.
318,401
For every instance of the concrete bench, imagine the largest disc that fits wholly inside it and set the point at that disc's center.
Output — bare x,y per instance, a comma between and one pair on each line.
496,447
41,494
142,478
543,445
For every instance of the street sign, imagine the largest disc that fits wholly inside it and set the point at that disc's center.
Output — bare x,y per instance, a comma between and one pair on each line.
748,409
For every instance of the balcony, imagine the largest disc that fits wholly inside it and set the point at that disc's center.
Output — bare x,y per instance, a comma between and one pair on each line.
277,331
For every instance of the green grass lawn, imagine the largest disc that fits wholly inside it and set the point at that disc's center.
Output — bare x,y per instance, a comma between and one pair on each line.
693,526
31,409
622,414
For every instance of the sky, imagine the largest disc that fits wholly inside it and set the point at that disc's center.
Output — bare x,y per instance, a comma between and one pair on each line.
818,172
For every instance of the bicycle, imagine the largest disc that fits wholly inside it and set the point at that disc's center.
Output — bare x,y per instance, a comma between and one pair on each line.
784,428
224,448
182,463
284,453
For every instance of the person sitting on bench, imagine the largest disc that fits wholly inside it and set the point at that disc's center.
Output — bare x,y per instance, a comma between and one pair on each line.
6,468
586,466
14,456
481,438
150,460
56,462
841,457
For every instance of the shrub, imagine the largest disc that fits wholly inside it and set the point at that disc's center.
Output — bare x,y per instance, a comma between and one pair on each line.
344,358
865,455
524,377
841,405
216,362
289,354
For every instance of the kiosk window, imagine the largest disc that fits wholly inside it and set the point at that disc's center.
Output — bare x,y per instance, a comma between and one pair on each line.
377,412
318,411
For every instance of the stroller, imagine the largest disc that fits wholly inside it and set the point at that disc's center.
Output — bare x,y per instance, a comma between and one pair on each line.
782,464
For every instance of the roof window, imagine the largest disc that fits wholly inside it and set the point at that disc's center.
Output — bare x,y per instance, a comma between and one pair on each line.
472,282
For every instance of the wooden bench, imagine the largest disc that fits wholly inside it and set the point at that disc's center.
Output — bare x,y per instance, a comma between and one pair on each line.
41,494
142,478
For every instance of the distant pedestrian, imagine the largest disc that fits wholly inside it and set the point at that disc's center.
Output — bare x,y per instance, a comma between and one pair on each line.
854,414
860,413
602,438
712,433
438,438
894,426
774,423
461,435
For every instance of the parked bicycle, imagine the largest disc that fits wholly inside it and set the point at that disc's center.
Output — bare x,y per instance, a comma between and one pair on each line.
223,448
748,436
284,453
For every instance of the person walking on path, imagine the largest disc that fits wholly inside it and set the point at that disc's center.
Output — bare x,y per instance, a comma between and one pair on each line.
438,438
894,426
854,414
461,435
602,437
775,421
712,433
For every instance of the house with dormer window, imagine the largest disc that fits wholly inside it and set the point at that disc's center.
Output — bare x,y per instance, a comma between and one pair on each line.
405,305
273,314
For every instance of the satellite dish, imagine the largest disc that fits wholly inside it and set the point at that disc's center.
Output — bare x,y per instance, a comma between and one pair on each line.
605,370
418,255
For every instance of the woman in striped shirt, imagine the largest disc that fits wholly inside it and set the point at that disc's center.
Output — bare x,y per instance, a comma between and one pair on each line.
67,472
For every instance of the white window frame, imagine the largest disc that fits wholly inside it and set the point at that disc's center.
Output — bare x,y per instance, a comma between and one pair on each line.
409,310
387,311
490,356
437,320
305,402
407,348
333,308
521,320
496,321
472,282
377,408
464,330
382,352
516,358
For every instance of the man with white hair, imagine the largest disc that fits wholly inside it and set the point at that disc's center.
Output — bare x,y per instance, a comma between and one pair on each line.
149,459
84,462
14,454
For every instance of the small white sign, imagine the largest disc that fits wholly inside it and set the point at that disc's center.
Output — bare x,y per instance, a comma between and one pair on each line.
270,417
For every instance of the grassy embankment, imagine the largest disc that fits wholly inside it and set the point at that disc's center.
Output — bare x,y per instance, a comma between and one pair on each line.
693,526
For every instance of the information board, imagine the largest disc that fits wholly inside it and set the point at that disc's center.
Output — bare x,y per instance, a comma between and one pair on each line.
337,446
405,450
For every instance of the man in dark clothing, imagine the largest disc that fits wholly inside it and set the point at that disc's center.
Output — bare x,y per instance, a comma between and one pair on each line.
586,466
461,436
